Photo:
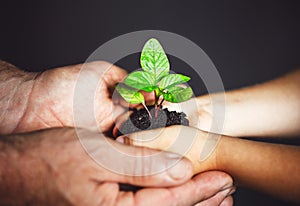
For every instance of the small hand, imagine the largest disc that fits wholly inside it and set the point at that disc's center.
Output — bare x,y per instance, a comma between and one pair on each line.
198,146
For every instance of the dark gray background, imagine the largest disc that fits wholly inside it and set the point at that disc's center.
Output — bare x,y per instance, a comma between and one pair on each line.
248,41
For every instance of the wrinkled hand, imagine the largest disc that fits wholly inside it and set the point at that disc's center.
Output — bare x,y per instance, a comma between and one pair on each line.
52,168
50,104
52,101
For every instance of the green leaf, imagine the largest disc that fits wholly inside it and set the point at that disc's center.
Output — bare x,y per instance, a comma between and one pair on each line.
172,80
178,94
141,80
154,60
129,94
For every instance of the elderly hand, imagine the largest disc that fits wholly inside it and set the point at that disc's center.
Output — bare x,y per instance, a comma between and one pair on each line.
33,101
52,167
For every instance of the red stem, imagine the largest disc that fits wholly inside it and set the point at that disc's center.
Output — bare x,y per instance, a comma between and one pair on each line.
160,104
156,112
147,110
155,104
158,107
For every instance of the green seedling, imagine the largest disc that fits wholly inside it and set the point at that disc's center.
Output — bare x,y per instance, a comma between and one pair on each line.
154,77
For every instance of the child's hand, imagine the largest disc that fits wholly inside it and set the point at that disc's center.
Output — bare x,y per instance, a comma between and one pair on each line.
198,146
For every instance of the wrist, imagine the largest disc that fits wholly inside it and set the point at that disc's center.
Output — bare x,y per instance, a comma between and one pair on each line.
47,101
10,179
221,154
24,175
216,153
204,152
229,156
14,95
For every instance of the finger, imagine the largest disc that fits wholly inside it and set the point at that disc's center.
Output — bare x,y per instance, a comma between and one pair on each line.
125,198
109,73
107,118
166,139
135,165
182,140
218,199
153,168
160,138
228,201
200,188
213,187
120,121
113,74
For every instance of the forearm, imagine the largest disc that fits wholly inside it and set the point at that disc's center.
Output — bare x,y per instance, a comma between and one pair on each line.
267,167
268,109
25,101
24,173
15,89
13,187
271,168
9,184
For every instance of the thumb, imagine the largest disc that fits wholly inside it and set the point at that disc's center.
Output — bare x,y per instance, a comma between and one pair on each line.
146,167
136,165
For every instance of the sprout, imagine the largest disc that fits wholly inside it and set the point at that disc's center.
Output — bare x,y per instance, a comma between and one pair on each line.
154,77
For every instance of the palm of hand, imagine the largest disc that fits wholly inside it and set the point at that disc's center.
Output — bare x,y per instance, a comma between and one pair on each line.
67,174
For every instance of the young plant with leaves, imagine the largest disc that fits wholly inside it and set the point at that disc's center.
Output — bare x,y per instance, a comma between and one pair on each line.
154,77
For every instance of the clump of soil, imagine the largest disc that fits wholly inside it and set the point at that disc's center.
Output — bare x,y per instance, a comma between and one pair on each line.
140,120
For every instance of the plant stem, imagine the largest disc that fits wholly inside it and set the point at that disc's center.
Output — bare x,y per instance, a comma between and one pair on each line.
155,98
155,104
156,112
158,107
143,103
160,104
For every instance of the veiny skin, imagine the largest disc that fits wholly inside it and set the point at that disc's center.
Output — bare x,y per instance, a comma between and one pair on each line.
45,100
51,167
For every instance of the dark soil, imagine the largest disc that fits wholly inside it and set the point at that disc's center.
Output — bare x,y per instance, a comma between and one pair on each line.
140,120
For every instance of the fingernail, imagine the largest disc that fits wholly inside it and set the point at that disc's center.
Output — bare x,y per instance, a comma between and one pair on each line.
227,202
232,190
228,191
120,139
228,185
179,170
225,192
